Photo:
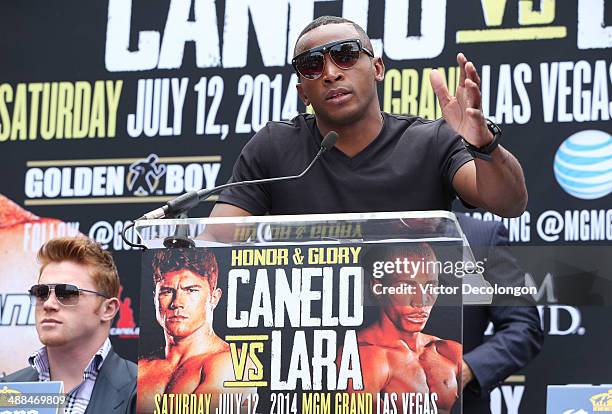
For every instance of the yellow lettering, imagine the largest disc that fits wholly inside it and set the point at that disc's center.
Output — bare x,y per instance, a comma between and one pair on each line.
20,114
416,97
96,122
157,409
407,84
427,100
82,108
257,373
58,110
493,11
208,400
392,84
35,89
333,255
185,403
306,403
528,16
239,361
355,252
260,257
316,403
164,409
325,403
113,95
48,112
236,258
6,95
201,405
410,91
65,103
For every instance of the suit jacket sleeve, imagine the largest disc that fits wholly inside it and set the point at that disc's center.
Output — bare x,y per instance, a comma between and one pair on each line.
518,336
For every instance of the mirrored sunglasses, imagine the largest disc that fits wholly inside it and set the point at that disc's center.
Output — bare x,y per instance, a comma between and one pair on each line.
344,54
66,294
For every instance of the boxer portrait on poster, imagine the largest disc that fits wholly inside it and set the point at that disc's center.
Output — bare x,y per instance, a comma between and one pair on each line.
292,328
194,359
400,362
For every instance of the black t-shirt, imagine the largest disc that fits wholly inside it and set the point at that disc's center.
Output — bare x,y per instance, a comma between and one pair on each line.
409,166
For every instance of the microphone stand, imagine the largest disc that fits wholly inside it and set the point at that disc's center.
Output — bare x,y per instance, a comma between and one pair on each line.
179,207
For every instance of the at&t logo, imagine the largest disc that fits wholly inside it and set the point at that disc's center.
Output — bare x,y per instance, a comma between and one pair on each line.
583,165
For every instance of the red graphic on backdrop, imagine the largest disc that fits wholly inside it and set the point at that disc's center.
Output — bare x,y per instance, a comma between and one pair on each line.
125,327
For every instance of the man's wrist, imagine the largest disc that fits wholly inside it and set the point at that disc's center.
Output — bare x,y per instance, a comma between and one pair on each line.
484,152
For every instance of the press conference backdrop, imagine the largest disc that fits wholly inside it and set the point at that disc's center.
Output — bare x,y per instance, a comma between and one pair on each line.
109,108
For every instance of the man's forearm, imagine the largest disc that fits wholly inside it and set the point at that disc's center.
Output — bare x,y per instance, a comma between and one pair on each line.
501,184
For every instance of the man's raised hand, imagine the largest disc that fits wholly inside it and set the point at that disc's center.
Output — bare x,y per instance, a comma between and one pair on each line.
463,111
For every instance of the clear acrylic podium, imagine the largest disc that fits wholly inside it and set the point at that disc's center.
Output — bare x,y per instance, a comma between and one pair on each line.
315,300
434,226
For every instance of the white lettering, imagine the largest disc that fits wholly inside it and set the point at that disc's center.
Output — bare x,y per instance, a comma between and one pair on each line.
399,46
272,38
202,31
592,31
118,57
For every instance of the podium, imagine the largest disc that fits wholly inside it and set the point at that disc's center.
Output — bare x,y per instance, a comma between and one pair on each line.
332,313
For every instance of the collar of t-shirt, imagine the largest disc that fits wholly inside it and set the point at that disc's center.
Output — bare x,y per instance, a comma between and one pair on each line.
354,161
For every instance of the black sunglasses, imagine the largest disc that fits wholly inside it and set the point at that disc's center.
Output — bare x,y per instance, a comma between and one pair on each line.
66,294
344,54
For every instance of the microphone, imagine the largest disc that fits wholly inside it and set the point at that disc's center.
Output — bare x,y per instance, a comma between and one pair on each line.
328,142
189,200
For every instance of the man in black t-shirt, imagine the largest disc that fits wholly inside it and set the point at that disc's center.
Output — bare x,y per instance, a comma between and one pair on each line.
409,166
380,162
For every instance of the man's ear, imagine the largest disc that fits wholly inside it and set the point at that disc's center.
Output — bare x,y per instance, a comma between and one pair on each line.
216,297
379,69
302,94
108,309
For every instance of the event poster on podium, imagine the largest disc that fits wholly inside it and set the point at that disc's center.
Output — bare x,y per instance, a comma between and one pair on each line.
342,328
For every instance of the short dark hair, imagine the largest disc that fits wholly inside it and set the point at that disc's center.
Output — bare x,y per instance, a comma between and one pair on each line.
201,262
325,20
